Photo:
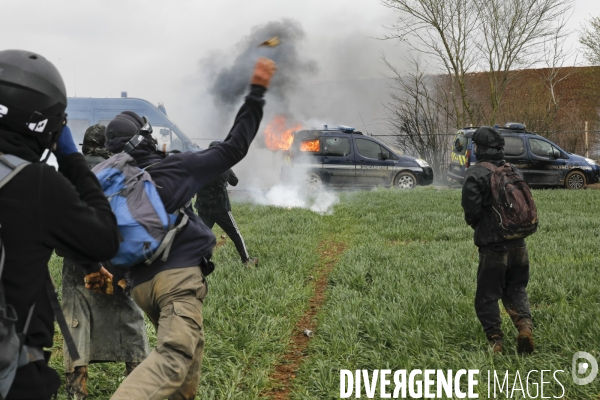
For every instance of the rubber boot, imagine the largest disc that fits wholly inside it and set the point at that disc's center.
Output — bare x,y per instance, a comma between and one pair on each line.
129,367
76,383
525,338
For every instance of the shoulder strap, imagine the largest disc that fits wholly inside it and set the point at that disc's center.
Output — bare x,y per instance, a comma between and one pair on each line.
488,165
60,318
9,167
165,246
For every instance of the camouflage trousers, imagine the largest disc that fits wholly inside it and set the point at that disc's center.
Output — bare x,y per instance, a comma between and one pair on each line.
173,301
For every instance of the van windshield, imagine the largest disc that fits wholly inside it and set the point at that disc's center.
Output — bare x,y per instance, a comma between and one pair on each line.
167,140
460,144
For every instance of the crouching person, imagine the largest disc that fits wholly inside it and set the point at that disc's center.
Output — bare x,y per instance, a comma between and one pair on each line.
172,292
42,209
503,271
105,328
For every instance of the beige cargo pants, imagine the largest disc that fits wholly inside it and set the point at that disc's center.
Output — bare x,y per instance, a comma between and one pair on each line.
173,302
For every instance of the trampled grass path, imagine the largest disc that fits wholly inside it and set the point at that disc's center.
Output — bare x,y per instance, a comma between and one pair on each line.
281,379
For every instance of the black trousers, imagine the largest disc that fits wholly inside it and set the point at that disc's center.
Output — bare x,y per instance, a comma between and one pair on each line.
227,223
503,274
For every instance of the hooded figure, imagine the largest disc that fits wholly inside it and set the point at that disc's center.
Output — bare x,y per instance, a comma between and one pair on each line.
42,210
171,292
93,145
503,271
213,206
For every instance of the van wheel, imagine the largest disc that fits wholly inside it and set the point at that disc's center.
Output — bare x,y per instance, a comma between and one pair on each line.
405,180
575,180
313,182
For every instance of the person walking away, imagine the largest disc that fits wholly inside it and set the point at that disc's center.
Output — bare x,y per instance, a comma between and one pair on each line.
503,272
106,328
42,209
172,291
213,206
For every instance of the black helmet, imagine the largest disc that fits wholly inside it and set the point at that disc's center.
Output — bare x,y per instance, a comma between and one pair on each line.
33,97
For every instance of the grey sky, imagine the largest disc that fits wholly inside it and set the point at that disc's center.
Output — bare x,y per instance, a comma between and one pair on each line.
153,49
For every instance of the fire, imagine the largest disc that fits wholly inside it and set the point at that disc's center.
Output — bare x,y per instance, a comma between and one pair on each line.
278,135
310,145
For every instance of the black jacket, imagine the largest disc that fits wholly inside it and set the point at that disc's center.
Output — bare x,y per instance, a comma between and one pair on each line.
213,197
180,176
42,210
477,203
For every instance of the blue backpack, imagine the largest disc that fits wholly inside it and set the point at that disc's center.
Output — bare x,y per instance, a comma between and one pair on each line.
147,230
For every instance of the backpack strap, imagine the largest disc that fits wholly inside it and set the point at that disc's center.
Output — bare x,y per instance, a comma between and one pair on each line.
488,165
165,246
60,318
9,167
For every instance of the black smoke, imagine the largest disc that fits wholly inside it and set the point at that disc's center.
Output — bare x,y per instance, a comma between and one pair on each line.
230,84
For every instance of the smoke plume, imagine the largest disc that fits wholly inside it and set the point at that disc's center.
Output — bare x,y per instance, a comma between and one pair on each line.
231,83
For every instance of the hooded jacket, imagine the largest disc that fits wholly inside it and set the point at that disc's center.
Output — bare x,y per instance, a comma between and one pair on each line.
476,190
180,176
42,210
213,197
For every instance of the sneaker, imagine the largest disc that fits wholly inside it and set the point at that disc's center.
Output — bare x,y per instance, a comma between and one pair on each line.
251,262
525,342
497,343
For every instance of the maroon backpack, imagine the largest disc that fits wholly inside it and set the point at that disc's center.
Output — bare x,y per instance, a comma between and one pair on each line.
513,207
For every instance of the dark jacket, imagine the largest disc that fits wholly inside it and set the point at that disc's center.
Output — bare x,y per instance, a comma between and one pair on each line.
93,160
477,203
213,197
180,176
42,210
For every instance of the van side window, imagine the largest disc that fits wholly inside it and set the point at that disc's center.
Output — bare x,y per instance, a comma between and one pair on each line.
542,148
336,147
513,146
460,144
369,149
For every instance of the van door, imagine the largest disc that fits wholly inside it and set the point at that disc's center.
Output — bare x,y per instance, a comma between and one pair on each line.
545,165
338,160
374,163
516,153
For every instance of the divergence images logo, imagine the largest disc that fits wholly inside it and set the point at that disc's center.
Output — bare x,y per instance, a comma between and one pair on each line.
582,367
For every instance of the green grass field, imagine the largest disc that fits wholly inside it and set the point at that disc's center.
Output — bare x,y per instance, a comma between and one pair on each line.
399,297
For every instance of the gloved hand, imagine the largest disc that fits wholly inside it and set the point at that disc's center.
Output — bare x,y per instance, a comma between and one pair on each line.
65,144
99,282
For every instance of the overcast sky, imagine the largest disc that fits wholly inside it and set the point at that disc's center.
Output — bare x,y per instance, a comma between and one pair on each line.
154,49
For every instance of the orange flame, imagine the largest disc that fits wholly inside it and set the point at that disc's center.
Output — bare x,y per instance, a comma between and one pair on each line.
310,145
278,136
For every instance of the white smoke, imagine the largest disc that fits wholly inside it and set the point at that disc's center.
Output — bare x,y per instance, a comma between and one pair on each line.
296,196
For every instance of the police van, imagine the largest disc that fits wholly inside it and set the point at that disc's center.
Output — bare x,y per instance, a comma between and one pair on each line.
84,112
542,162
344,157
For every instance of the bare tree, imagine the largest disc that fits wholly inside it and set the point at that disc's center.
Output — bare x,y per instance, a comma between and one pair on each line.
589,37
421,117
497,36
512,36
556,58
446,30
